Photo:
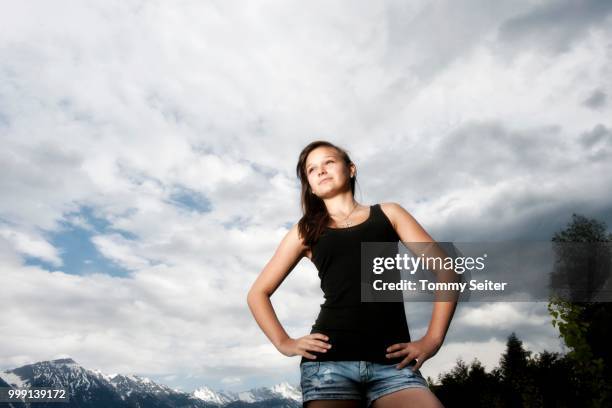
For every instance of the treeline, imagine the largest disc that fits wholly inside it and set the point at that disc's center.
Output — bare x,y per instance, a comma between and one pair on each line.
580,378
545,380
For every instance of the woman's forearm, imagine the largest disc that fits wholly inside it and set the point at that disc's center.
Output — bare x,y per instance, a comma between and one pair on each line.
266,318
440,320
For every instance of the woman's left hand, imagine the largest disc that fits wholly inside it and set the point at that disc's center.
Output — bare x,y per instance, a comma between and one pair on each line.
420,350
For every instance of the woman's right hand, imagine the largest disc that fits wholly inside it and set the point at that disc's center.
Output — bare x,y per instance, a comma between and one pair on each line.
300,346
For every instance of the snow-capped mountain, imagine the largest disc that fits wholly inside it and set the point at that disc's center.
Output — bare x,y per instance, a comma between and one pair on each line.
84,387
93,389
216,397
286,390
283,390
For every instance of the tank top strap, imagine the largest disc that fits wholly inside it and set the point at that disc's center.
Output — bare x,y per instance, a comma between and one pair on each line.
377,211
380,218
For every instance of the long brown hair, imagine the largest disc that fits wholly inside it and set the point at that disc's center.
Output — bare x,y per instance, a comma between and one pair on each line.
315,217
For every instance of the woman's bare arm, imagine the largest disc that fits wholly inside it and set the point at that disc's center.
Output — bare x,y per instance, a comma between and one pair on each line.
287,255
409,230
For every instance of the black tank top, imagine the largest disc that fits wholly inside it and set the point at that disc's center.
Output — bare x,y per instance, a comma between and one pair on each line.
356,330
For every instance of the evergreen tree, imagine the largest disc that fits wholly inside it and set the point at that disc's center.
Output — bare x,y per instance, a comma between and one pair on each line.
513,367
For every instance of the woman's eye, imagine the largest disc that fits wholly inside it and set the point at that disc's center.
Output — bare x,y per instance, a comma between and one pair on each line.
312,168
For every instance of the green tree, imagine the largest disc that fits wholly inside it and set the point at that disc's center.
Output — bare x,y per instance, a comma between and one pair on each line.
552,374
469,386
583,265
513,367
520,380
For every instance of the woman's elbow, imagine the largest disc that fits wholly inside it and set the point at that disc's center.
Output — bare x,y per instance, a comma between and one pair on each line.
249,297
253,294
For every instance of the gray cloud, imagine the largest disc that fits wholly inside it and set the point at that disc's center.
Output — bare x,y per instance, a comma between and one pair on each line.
554,26
502,171
599,135
424,40
596,100
597,143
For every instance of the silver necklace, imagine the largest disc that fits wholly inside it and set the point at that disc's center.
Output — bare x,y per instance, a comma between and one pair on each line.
348,224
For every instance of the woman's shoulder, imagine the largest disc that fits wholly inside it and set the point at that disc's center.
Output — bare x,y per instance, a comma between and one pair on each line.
298,240
391,209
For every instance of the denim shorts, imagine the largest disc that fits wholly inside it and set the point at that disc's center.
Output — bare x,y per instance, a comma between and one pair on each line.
358,380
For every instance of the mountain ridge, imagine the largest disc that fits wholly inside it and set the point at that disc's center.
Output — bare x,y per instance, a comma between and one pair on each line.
93,389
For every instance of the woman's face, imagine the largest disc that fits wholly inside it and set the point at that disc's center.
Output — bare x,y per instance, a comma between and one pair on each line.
326,171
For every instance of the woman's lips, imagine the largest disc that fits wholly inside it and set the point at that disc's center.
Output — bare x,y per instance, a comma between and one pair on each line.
324,180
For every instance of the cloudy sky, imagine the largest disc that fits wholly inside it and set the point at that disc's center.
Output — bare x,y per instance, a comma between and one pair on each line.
148,155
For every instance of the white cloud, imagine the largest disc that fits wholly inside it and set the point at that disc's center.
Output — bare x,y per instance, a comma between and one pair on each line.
31,244
487,352
502,315
116,106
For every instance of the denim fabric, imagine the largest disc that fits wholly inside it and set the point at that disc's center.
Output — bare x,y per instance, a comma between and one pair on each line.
360,380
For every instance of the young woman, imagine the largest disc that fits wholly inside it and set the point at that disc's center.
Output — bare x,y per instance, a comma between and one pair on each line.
357,352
